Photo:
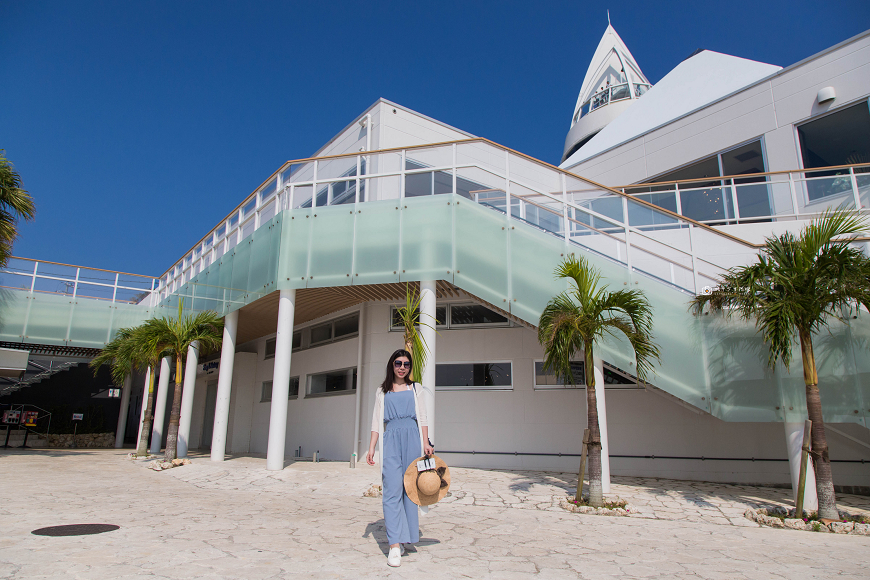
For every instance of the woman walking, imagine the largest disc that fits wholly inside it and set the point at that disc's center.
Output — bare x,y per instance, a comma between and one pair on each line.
399,424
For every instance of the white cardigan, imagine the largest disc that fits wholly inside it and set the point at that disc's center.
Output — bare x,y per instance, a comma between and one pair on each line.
378,422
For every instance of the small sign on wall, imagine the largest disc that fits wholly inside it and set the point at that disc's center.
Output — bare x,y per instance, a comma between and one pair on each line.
11,416
78,416
208,368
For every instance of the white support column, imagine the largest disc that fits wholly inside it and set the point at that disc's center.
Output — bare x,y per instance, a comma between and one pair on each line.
359,381
281,381
794,439
144,403
122,414
602,424
225,384
427,331
160,405
187,393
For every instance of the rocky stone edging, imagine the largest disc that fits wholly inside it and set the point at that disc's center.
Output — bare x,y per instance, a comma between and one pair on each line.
762,517
567,503
374,491
161,465
82,440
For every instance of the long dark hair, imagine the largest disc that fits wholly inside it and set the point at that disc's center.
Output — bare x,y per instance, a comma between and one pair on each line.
387,385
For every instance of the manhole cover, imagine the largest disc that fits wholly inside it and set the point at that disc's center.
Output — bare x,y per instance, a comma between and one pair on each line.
75,530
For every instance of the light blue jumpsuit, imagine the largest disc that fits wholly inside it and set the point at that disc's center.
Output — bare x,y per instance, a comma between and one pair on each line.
401,447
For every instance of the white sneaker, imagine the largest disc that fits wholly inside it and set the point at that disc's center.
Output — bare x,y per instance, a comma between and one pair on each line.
395,557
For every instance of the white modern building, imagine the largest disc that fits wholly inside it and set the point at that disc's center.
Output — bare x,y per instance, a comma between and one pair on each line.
661,187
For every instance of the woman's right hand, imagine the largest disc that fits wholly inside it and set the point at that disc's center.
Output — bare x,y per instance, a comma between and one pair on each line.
370,457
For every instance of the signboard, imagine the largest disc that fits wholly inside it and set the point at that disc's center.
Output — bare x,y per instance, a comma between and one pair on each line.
11,416
30,417
114,393
208,368
78,416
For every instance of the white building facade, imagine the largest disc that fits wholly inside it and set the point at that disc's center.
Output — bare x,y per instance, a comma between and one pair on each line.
709,414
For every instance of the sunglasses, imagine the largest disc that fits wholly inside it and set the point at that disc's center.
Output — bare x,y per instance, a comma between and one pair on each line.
402,363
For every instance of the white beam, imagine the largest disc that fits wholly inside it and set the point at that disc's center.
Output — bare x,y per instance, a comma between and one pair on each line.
224,390
122,413
427,331
160,405
281,381
794,440
602,424
187,393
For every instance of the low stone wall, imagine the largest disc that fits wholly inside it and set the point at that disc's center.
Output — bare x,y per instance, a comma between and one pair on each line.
91,440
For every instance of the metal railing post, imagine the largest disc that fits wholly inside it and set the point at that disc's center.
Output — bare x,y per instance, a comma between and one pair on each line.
854,181
627,238
33,281
402,176
565,223
454,169
314,187
677,198
794,203
694,263
76,284
734,201
115,289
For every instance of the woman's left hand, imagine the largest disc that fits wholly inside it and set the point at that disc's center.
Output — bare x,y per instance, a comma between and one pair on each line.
428,449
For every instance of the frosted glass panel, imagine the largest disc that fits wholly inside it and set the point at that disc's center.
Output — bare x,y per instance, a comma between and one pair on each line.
376,256
427,244
91,320
295,237
534,258
240,257
331,246
481,252
14,306
261,275
49,318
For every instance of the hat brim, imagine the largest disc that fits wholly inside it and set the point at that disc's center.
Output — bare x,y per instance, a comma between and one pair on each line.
414,492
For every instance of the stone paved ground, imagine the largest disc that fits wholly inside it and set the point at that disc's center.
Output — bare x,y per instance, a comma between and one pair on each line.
236,520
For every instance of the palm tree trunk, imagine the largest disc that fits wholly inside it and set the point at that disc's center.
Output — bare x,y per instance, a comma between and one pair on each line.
821,460
142,448
596,492
172,435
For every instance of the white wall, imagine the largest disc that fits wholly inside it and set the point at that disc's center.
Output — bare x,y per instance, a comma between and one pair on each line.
641,422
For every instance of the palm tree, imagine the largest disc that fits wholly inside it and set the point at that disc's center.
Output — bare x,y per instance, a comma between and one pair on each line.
573,322
409,316
173,337
125,353
795,287
15,203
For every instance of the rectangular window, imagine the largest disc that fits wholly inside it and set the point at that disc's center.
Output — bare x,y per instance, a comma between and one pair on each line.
440,318
297,340
468,314
266,395
547,379
270,349
346,326
332,382
321,334
474,376
294,388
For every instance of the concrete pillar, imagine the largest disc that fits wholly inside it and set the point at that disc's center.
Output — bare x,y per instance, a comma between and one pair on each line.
122,414
280,381
144,404
187,392
602,424
359,381
794,438
160,404
225,383
427,331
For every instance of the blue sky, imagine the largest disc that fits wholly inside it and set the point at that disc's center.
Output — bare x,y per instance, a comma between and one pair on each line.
136,126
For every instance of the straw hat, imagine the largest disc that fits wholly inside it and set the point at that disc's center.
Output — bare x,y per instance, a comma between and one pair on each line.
427,487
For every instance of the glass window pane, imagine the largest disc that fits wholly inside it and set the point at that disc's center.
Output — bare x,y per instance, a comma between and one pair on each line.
332,382
418,184
266,395
346,326
249,208
619,92
270,348
473,375
321,333
474,314
297,340
548,378
294,388
708,167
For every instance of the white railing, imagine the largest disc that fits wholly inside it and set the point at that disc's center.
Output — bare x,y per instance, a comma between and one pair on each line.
780,195
41,276
630,231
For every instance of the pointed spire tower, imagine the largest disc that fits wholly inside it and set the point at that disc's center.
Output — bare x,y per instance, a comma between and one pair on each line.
612,83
